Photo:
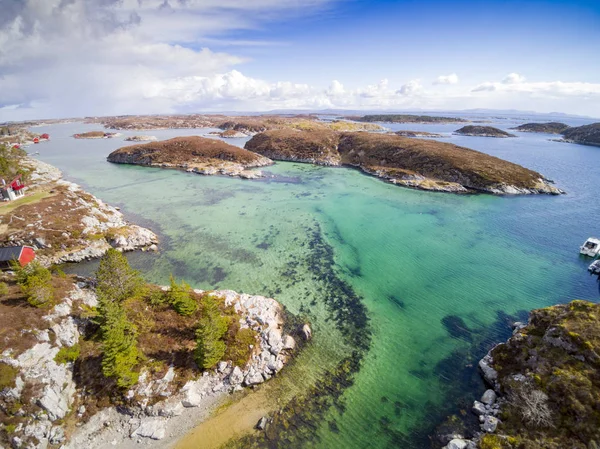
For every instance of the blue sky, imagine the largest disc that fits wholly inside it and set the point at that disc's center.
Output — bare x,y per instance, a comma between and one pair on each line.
99,57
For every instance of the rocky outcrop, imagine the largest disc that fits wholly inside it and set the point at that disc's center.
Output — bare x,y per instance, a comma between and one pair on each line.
404,133
141,139
194,154
407,118
95,135
545,383
585,135
482,131
547,128
314,147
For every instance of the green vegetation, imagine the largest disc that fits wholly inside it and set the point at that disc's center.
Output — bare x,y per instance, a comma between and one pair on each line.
66,355
586,135
556,406
181,299
548,128
407,118
484,131
116,283
8,375
36,283
238,347
209,335
3,289
10,163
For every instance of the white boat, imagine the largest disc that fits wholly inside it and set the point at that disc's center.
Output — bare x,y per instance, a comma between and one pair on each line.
594,268
591,247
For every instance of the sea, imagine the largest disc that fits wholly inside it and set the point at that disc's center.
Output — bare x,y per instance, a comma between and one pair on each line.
405,290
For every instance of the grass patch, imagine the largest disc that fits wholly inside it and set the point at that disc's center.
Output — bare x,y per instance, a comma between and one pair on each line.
8,376
33,198
67,355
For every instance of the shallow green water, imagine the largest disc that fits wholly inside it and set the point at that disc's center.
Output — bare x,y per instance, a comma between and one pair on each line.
417,260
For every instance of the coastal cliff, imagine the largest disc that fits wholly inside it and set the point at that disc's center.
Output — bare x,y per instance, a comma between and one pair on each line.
194,154
547,128
585,135
482,131
417,163
546,383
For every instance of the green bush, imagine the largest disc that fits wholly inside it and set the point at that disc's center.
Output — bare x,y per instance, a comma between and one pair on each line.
8,375
238,349
36,283
157,298
66,355
210,347
181,299
3,289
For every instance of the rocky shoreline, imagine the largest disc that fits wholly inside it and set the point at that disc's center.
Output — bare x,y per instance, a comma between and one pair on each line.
90,226
155,409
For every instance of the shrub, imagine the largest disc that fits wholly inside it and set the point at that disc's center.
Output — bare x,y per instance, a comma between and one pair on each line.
180,297
36,282
3,289
532,406
8,375
210,346
157,298
491,442
66,355
238,349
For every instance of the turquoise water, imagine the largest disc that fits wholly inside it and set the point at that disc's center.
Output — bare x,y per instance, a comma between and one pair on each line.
436,275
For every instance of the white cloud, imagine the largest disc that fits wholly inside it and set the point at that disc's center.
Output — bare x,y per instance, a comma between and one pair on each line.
513,78
411,88
447,79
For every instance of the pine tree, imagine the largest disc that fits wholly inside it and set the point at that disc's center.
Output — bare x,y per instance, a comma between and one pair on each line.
181,299
210,346
116,280
36,282
119,345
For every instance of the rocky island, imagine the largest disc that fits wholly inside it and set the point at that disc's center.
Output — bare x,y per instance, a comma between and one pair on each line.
194,154
417,134
95,135
547,128
482,131
545,384
585,135
406,118
417,163
141,139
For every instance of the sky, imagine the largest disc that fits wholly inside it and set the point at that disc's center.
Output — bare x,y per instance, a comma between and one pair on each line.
73,58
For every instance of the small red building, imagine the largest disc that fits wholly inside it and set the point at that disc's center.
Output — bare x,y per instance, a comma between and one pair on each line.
22,254
36,140
45,136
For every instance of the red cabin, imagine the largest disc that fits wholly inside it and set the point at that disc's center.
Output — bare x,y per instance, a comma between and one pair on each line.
16,147
36,140
21,254
45,136
16,184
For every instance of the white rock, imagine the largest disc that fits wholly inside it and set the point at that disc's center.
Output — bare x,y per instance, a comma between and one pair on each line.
489,373
253,378
478,408
236,377
154,428
66,332
289,342
490,423
456,443
306,332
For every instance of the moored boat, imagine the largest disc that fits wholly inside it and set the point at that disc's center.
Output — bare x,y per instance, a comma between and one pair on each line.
591,247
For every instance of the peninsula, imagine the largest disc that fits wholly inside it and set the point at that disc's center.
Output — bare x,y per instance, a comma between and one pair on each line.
418,134
585,135
193,154
482,131
417,163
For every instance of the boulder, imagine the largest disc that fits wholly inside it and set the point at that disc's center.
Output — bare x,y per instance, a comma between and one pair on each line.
456,443
154,428
262,423
236,377
66,332
306,332
253,378
490,423
489,397
478,408
489,373
288,342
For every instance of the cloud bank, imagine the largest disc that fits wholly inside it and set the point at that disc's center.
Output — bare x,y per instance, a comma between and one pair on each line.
71,58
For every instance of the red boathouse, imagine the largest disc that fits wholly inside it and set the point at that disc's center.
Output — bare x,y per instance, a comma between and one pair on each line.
22,254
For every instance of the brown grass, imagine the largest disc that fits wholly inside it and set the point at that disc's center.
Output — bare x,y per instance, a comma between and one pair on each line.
318,146
89,135
182,150
437,160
